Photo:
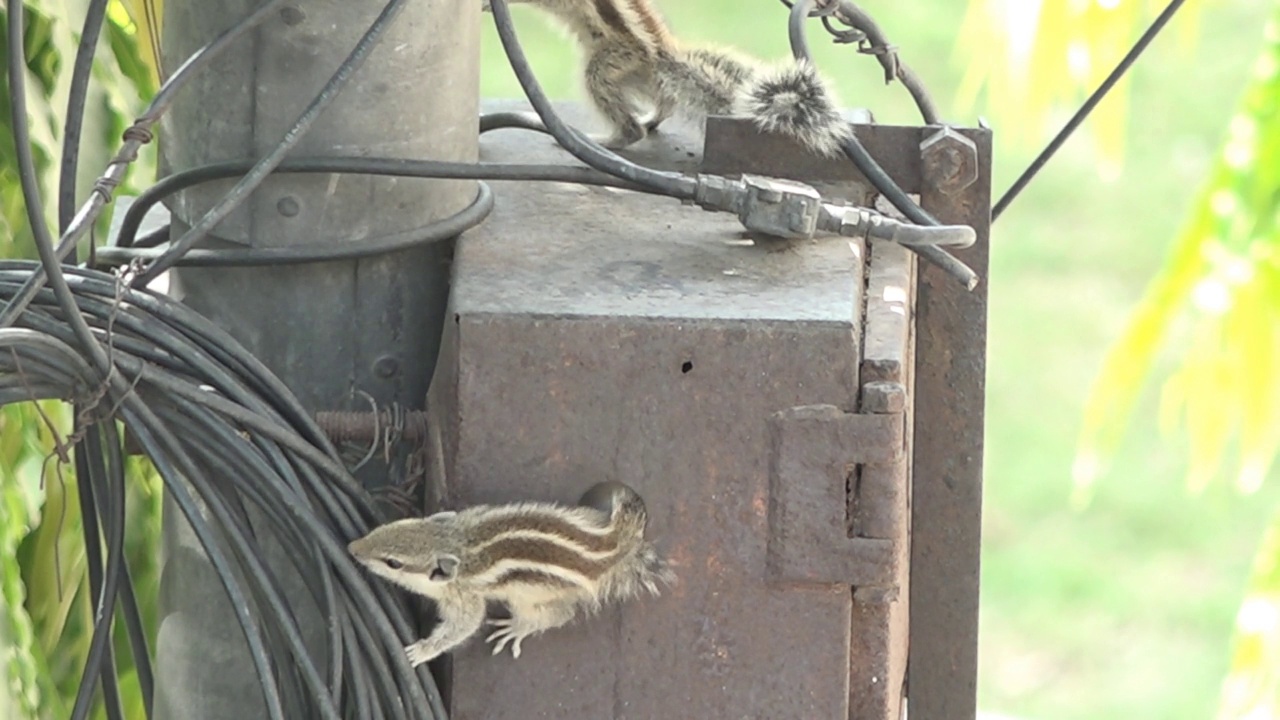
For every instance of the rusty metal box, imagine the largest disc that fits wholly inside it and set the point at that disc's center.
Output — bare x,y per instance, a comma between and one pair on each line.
759,397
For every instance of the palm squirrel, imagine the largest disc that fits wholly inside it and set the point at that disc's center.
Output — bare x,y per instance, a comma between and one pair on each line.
632,56
545,562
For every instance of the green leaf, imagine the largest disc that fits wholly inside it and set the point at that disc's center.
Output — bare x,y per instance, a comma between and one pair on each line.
1223,278
45,611
1252,686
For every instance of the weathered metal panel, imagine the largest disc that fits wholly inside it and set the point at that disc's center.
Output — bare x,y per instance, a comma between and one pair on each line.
878,497
950,170
559,403
631,338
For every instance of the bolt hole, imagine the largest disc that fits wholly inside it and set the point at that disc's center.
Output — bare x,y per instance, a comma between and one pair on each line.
686,366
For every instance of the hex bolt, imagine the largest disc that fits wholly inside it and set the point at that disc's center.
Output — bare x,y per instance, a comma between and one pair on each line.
949,161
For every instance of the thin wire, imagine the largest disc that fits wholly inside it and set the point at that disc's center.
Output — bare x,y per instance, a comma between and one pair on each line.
94,489
1079,117
263,168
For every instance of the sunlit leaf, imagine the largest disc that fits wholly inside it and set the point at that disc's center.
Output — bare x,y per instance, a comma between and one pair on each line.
1252,687
1037,60
1222,276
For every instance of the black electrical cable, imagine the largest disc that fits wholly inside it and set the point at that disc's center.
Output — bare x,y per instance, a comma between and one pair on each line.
77,96
1079,117
27,176
853,148
90,474
135,628
126,237
795,25
137,135
189,412
237,195
591,153
390,167
867,165
96,491
449,227
512,120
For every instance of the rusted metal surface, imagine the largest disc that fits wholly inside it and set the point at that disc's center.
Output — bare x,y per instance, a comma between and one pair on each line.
949,169
951,337
814,451
889,316
883,498
387,424
629,337
736,146
878,502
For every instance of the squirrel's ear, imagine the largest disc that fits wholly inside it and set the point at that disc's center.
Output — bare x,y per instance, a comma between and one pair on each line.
446,568
442,515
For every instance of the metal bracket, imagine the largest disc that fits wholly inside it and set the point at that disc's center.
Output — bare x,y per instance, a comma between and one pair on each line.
815,451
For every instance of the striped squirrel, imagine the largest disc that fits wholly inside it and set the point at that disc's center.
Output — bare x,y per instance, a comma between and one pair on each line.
545,562
631,55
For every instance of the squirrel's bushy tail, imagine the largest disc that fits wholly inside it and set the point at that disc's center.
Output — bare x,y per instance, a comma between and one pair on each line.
703,81
792,99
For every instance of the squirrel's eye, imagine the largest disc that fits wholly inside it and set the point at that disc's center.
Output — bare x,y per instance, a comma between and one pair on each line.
392,563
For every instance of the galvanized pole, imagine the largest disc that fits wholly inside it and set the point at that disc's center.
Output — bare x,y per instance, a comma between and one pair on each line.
329,330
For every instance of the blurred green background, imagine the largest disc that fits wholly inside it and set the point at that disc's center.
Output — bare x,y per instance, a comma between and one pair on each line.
1121,608
1124,608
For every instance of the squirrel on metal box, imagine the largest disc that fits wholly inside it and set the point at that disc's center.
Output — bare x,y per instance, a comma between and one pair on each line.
631,55
545,562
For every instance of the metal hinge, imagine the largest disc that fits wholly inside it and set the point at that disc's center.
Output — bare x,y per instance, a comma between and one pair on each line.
837,502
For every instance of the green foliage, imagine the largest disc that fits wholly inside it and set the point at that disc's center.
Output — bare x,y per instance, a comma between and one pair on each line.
1036,60
1252,689
46,612
1217,301
1223,281
120,82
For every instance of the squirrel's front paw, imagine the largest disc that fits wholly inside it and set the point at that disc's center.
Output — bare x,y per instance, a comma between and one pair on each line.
419,653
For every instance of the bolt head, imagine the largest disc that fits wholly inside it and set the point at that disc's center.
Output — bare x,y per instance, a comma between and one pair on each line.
950,160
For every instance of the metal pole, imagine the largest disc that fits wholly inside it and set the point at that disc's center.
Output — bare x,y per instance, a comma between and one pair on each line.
329,330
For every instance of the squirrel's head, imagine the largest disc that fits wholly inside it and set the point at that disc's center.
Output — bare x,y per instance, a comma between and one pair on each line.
420,554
